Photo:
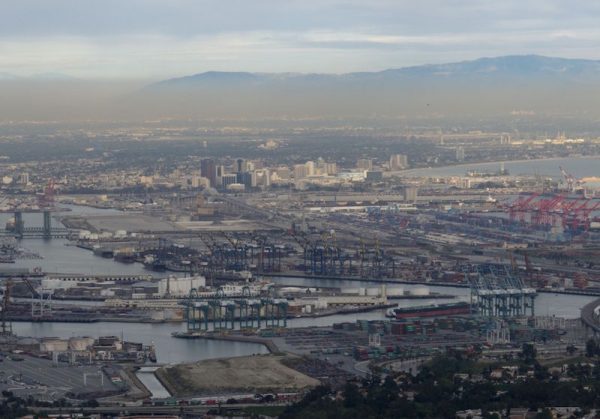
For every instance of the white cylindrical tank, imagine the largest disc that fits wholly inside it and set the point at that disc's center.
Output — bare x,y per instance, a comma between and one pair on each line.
80,344
287,290
373,292
54,345
419,291
352,291
395,291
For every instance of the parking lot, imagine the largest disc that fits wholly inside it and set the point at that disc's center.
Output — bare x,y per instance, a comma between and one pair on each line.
42,377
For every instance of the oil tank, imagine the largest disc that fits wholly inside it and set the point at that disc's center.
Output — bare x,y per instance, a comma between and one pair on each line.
80,343
420,291
54,345
351,291
374,292
395,291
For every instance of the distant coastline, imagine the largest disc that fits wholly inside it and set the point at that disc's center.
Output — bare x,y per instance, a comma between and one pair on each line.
466,166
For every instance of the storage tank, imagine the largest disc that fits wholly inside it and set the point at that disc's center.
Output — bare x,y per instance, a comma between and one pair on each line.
419,291
289,290
373,292
80,343
351,291
54,345
395,291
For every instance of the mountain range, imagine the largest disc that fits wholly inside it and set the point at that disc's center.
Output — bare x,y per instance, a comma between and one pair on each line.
498,69
500,86
486,86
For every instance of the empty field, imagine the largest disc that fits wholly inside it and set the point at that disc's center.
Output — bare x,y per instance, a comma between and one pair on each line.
253,374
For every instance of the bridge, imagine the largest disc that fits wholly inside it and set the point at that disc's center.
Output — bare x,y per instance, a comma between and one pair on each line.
590,317
46,231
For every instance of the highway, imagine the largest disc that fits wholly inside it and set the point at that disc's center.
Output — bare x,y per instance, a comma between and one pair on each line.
148,410
587,315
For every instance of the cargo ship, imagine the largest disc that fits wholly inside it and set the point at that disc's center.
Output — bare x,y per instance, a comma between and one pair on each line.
435,310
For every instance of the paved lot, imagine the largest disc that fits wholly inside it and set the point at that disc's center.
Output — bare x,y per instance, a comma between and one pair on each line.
33,375
130,222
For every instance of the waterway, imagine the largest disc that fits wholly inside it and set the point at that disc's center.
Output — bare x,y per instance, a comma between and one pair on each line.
150,381
58,257
577,166
168,349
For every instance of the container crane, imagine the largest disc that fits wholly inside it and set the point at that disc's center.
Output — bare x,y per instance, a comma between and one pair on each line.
572,182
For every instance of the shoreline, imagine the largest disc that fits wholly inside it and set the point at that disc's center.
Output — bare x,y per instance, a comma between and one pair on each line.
267,343
409,172
428,284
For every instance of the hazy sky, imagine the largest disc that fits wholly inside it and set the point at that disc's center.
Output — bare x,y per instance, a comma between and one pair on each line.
155,39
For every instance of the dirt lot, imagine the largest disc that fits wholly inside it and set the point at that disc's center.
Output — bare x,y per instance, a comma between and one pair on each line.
252,374
129,222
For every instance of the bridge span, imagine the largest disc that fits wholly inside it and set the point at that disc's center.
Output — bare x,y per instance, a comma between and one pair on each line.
47,231
590,317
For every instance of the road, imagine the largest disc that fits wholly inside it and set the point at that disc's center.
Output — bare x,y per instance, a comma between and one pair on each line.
587,315
147,410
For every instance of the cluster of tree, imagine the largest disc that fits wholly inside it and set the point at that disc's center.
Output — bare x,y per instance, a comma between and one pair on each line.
436,392
12,406
592,348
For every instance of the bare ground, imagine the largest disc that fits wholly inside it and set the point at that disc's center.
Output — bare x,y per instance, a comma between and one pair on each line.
252,374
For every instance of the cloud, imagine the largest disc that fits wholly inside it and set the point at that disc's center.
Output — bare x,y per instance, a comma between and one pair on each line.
164,38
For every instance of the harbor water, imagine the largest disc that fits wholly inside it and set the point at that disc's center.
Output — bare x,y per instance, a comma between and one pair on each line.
58,256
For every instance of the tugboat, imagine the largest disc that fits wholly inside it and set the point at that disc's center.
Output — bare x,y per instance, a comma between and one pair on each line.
154,264
125,255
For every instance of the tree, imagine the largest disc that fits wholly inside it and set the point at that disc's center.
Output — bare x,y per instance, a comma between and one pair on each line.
591,348
544,414
352,396
528,352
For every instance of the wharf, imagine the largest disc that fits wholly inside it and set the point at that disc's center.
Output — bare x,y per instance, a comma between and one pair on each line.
583,292
272,348
360,279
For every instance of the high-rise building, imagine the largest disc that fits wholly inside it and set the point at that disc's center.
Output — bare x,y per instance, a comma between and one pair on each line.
330,169
195,181
300,171
460,153
410,193
240,166
398,161
24,178
228,179
208,170
245,178
310,168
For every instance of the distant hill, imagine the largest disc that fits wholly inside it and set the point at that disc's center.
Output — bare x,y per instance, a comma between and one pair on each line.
515,67
519,84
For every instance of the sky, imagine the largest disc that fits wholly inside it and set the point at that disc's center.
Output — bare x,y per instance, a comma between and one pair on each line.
157,39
